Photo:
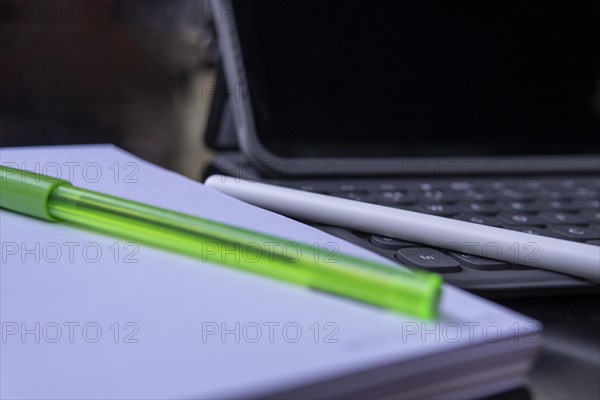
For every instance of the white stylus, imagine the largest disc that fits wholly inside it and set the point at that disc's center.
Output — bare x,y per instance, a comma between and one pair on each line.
564,256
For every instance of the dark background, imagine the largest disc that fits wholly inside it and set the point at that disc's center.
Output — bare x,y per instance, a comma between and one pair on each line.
127,72
397,78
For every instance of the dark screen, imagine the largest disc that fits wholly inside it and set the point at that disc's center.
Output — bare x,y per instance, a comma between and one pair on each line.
404,78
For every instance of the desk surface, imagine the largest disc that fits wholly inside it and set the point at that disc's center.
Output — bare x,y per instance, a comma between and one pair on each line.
569,365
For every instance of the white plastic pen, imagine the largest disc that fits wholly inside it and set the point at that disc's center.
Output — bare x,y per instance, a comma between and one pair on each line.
573,258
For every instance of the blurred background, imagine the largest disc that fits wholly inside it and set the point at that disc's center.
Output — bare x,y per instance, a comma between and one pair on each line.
135,73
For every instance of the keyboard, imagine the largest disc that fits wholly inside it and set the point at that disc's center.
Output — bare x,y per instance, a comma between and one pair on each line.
567,208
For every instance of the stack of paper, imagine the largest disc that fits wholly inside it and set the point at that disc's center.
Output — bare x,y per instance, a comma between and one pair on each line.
85,315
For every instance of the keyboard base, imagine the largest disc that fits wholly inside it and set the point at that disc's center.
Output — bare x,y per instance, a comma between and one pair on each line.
515,282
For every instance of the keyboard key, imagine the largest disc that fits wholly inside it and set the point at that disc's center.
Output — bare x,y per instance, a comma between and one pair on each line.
532,184
425,257
568,184
357,196
575,232
396,197
481,208
481,263
478,219
439,196
307,188
520,219
426,186
461,185
520,206
479,195
555,194
347,187
592,204
563,218
517,195
558,205
498,185
388,243
387,187
442,210
591,215
586,193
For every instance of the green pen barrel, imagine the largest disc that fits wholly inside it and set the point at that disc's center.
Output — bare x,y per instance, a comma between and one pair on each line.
213,242
410,292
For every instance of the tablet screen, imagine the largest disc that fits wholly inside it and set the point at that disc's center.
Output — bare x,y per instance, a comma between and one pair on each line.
412,78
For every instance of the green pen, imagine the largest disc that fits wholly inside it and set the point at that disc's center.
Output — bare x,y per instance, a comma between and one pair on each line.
416,293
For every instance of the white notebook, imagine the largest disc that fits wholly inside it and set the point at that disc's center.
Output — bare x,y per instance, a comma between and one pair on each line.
86,315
